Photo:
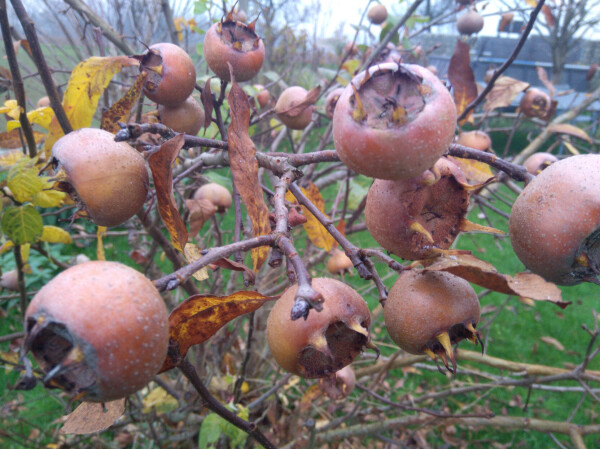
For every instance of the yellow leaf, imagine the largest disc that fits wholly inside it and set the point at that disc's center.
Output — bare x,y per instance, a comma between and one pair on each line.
192,253
53,234
571,147
88,81
48,198
6,246
41,116
12,109
160,401
10,157
100,254
23,180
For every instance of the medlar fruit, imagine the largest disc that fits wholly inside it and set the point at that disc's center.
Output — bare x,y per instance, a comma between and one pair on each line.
537,162
107,179
470,22
332,100
289,98
338,262
327,340
535,103
187,117
377,14
555,222
479,140
393,121
99,330
216,194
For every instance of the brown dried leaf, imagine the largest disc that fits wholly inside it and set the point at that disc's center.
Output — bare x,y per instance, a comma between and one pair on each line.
26,47
139,257
200,316
311,98
462,78
160,165
235,266
12,140
244,168
474,171
207,103
311,394
571,130
550,20
591,72
553,342
505,20
200,212
121,109
543,76
91,417
485,275
503,93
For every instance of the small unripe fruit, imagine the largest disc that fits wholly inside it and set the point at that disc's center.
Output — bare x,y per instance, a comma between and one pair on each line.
43,102
289,98
377,14
554,222
171,74
263,96
535,103
479,140
109,178
470,22
488,75
10,280
537,162
331,101
98,330
327,340
339,262
187,117
216,194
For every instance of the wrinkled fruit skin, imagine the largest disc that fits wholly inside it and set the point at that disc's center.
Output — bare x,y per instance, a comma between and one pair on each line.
326,341
176,79
399,214
479,140
289,98
537,162
108,321
377,14
332,100
470,22
187,117
237,44
405,124
535,103
110,178
425,304
554,222
216,194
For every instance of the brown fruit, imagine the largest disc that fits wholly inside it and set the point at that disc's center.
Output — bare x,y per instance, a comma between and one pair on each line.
535,103
216,194
340,385
470,22
10,280
289,98
433,69
488,75
427,312
43,102
537,162
108,179
339,262
554,222
263,96
187,117
377,14
479,140
234,43
171,74
331,101
393,121
326,341
98,330
350,49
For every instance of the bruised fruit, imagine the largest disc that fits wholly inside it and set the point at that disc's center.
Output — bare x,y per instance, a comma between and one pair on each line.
187,117
327,340
339,262
231,42
171,74
340,385
555,222
393,121
107,179
377,14
331,101
419,218
470,22
216,194
99,330
479,140
427,312
290,97
537,162
535,103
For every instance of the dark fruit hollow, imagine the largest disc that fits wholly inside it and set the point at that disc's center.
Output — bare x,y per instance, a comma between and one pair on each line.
239,37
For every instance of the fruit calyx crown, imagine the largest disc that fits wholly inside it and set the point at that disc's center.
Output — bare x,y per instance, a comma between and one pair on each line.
238,35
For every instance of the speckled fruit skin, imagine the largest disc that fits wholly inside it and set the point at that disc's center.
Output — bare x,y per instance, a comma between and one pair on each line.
118,317
470,22
216,194
423,304
554,215
535,103
177,79
109,177
288,339
187,117
288,98
537,162
402,151
246,63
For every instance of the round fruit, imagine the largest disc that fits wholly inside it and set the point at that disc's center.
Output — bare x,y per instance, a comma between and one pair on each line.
479,140
377,14
554,222
289,98
43,102
339,262
216,194
98,330
426,312
263,96
340,385
10,280
187,117
470,22
433,69
327,340
537,162
109,178
351,49
488,75
331,101
171,74
237,44
535,103
420,217
393,121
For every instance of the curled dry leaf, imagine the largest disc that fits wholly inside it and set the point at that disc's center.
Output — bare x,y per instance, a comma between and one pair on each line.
462,78
91,417
474,171
200,213
12,139
553,342
207,103
572,130
120,111
503,93
543,76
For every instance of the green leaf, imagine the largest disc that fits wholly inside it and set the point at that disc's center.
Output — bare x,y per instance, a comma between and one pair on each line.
200,7
412,20
389,24
357,193
219,179
22,224
210,431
